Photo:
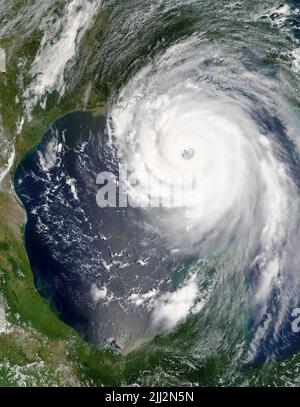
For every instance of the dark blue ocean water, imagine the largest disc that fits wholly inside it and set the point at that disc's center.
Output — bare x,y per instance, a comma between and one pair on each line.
76,248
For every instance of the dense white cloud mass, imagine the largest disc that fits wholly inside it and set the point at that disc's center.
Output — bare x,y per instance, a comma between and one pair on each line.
237,128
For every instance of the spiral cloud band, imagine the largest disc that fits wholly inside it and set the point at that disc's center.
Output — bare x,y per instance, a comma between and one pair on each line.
197,110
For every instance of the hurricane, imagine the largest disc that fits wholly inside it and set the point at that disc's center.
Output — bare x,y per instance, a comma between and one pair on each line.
202,109
168,226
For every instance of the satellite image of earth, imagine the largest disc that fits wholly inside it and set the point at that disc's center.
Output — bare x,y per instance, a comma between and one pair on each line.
149,193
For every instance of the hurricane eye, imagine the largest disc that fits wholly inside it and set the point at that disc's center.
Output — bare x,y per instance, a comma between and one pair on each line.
187,153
